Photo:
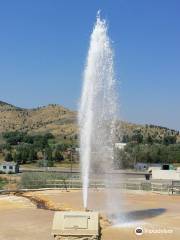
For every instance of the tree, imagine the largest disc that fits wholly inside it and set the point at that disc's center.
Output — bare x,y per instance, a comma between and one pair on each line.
58,155
169,140
149,139
63,147
125,139
14,138
48,153
17,157
8,157
32,155
40,142
48,157
137,137
49,136
7,146
123,159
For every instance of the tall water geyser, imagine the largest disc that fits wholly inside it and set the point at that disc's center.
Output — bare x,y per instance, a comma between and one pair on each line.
98,110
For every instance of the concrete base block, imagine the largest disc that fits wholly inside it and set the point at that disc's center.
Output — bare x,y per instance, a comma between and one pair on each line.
76,225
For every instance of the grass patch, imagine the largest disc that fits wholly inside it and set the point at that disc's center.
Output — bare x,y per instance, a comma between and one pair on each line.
3,182
42,180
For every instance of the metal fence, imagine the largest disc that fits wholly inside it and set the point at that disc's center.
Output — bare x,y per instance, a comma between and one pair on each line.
58,181
163,188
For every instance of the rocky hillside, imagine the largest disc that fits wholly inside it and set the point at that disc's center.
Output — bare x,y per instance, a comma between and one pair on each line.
157,133
52,118
61,121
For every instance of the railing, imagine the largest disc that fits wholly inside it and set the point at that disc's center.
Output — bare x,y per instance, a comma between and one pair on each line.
160,187
74,183
163,187
174,188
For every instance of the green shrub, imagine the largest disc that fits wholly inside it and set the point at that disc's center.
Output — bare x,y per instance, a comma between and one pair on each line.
2,182
40,179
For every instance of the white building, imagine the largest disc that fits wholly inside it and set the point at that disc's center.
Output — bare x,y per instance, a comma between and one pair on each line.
9,167
120,145
166,173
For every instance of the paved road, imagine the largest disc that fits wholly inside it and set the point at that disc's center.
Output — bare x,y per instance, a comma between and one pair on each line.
51,169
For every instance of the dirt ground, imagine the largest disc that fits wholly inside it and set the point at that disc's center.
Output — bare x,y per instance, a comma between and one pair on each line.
158,215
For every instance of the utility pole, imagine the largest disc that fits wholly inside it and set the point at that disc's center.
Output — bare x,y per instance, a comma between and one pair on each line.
71,158
45,161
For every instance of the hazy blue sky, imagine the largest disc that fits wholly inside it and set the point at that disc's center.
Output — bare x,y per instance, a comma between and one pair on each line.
43,46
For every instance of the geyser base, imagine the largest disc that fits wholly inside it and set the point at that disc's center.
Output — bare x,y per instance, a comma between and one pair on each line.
76,225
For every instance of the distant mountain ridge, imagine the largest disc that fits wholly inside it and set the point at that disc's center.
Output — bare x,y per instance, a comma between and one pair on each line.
61,121
5,104
52,118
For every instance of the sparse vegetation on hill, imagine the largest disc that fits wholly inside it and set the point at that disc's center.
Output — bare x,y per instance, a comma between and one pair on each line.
147,133
32,135
62,122
148,144
53,118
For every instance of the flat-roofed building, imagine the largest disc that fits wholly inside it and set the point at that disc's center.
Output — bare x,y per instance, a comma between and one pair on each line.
9,167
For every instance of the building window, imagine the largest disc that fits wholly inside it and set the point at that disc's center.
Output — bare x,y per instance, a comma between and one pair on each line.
4,167
11,167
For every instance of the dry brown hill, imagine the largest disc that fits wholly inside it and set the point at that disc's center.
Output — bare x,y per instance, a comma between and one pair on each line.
61,121
52,118
156,132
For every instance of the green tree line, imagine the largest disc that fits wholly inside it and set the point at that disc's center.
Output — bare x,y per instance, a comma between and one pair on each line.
24,148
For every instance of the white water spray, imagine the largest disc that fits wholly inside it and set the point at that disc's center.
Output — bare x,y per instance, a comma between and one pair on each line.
98,110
